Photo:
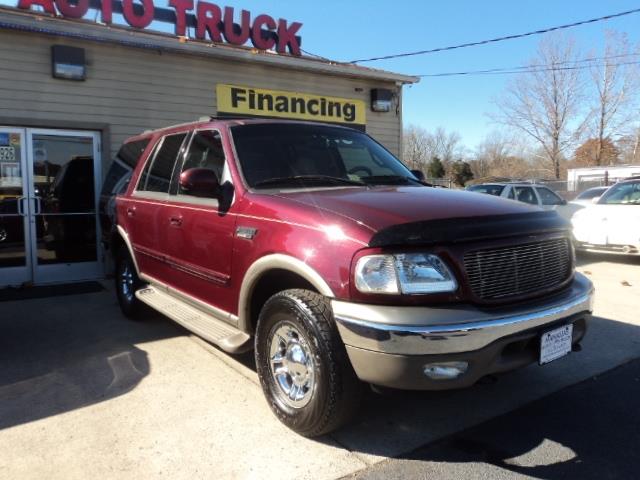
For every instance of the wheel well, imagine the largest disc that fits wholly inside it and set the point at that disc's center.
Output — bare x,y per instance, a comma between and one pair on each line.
269,284
116,244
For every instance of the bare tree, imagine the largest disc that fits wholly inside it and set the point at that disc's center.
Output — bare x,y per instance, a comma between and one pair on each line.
544,102
415,147
616,82
500,156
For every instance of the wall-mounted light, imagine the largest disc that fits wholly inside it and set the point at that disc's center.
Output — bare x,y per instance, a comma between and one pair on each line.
381,99
68,63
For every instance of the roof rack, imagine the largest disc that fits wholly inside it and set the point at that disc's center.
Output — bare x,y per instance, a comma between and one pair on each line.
210,118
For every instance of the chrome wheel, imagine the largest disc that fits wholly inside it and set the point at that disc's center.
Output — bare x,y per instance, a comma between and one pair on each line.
126,282
292,365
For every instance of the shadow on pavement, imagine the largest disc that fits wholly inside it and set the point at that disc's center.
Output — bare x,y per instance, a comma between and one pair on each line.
59,354
586,431
558,434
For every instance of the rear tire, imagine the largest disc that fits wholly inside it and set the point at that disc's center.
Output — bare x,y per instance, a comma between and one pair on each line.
302,364
127,284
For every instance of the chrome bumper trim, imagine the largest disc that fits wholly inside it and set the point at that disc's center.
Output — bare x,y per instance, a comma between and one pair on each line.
425,330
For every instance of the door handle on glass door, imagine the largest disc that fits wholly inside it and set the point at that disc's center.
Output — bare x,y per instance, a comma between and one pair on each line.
20,206
175,221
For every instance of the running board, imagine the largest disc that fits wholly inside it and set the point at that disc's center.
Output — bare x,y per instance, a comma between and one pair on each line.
207,326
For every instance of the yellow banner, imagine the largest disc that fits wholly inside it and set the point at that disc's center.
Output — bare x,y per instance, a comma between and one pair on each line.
241,100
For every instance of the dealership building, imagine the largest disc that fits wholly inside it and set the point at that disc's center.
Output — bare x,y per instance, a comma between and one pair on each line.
75,83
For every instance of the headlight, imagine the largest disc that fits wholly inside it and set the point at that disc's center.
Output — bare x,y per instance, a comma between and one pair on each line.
409,273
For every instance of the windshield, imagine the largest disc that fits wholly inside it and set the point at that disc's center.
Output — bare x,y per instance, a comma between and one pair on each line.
294,155
622,194
490,189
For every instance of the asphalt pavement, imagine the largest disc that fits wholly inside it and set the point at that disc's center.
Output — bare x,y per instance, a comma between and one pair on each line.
590,430
86,393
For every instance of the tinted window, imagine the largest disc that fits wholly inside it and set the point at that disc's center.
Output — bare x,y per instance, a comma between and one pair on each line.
281,151
157,173
547,197
125,162
205,152
490,189
526,195
622,194
591,193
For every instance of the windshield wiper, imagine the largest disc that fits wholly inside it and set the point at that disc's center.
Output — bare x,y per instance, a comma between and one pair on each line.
392,180
298,179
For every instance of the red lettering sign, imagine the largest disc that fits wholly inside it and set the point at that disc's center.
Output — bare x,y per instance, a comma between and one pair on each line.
70,10
181,7
135,20
208,19
210,24
47,5
256,32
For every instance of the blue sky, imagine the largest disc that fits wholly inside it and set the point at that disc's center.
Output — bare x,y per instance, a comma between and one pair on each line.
346,30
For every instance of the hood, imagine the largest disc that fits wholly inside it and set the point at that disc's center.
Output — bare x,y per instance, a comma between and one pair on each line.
381,207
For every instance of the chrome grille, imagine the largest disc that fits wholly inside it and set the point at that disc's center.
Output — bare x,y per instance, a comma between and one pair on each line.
518,270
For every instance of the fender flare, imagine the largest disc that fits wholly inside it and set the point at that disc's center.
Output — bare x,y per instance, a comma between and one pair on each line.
125,238
271,262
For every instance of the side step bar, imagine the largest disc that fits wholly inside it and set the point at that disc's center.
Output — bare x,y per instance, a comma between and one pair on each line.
210,328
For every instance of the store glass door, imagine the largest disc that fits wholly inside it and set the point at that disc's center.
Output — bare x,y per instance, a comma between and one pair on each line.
15,253
54,191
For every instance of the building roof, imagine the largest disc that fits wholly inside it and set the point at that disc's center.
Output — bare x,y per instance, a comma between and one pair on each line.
44,24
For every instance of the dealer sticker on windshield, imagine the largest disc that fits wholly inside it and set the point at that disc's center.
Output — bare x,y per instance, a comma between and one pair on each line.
555,343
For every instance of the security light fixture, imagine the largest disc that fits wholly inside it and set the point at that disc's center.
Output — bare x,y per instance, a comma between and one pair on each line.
381,99
68,63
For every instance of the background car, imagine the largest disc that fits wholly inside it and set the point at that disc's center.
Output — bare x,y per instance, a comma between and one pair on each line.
530,193
613,223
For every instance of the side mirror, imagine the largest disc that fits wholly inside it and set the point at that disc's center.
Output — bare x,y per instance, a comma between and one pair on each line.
200,182
595,199
418,174
563,202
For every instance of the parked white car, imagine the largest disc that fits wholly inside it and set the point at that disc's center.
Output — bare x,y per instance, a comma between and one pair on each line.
531,193
586,199
613,223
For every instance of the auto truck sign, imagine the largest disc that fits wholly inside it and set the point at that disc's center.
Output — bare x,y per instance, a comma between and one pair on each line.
210,21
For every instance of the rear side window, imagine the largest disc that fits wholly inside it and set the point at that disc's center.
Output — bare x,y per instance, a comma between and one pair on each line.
122,166
526,195
156,176
547,197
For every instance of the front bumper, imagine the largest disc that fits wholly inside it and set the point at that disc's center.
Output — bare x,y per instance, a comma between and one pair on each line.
390,345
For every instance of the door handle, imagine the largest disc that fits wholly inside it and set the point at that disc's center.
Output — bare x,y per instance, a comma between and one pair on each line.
175,221
37,201
131,211
20,206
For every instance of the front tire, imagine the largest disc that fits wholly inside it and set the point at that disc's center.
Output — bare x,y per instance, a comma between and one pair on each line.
302,364
127,284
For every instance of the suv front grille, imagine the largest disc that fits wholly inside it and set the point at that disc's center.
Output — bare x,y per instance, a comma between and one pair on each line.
518,270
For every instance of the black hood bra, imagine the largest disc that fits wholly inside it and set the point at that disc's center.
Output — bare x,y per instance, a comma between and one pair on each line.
465,229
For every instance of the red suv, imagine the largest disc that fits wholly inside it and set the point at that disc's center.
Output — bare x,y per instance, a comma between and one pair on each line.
316,247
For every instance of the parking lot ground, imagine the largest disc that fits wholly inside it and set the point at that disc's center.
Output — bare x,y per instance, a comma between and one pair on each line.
588,431
85,392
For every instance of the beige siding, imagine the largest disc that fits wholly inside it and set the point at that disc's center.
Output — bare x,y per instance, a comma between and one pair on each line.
132,90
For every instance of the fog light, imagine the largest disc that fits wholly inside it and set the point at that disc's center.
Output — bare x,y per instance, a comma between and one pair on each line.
445,370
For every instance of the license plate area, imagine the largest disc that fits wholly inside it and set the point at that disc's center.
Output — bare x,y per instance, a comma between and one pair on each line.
555,343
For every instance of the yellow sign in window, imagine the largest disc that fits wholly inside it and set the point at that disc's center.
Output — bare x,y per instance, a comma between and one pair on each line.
241,100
